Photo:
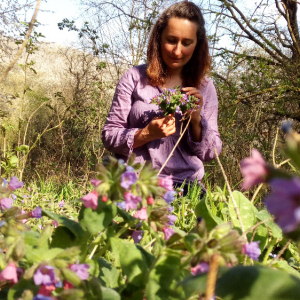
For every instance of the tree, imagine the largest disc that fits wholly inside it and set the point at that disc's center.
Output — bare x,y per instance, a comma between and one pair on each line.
256,54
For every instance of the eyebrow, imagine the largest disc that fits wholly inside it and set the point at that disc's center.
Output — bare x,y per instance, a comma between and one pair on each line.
185,39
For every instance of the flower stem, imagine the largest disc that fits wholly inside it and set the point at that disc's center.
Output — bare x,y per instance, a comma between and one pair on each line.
270,248
212,277
180,137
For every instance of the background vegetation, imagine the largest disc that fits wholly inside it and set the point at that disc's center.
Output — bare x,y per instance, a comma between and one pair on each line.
55,101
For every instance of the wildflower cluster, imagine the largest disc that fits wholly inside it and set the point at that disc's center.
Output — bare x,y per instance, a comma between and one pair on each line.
173,101
144,196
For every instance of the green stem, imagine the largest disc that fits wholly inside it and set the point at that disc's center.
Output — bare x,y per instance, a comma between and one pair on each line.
270,248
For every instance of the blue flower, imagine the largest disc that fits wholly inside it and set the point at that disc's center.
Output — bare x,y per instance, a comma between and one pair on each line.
169,196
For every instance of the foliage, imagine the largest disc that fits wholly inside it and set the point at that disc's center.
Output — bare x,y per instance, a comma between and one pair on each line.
165,262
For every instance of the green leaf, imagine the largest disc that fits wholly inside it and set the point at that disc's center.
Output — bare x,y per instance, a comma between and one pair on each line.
35,255
97,220
73,226
283,265
246,208
109,294
64,238
203,210
264,215
251,283
136,265
13,161
164,277
109,275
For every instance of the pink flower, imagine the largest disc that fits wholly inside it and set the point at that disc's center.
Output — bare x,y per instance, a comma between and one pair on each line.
81,270
9,273
61,203
284,202
95,182
131,200
203,267
91,200
14,183
6,203
150,200
55,223
141,214
46,290
254,169
166,183
168,232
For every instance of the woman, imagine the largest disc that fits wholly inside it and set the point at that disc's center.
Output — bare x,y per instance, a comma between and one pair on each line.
178,55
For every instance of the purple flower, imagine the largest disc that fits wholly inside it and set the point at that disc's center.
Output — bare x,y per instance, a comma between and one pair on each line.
44,275
172,220
128,178
203,267
168,232
14,183
141,214
6,203
15,197
36,213
95,182
171,208
131,201
55,223
252,250
91,200
172,90
81,270
137,235
254,169
169,196
42,297
122,204
284,202
61,203
166,183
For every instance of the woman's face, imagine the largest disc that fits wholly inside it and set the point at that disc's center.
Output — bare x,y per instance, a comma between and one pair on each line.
178,42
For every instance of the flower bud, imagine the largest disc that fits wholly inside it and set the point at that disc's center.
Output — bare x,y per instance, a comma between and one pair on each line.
150,200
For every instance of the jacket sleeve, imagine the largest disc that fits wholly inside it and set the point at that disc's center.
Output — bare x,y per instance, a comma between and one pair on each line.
211,140
116,135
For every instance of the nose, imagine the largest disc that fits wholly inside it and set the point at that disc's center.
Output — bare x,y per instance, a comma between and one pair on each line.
177,49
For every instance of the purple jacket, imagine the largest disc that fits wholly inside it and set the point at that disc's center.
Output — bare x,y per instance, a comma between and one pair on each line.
131,110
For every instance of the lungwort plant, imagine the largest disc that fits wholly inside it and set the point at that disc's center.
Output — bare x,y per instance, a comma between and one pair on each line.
125,245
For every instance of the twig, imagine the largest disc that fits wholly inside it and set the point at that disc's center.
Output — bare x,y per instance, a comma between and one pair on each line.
212,277
10,66
180,137
274,148
258,224
256,192
237,211
280,253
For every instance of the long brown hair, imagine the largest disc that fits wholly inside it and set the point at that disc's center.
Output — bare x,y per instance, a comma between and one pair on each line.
195,69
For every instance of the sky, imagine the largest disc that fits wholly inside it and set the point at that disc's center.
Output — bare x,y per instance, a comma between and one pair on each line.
53,12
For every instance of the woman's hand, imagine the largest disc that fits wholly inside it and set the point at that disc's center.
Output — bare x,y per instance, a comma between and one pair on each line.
158,128
195,116
161,127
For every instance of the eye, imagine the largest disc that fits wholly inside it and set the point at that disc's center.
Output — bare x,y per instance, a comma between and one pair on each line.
187,43
171,41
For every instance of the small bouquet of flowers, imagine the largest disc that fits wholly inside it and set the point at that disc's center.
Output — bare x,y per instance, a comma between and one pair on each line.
173,101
